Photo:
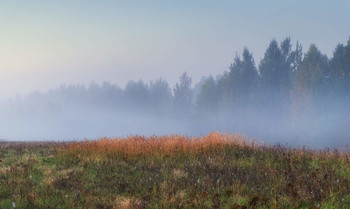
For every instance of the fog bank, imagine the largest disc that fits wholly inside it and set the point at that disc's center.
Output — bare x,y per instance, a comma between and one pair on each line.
290,97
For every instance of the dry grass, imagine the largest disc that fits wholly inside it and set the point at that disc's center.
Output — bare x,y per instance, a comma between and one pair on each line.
160,145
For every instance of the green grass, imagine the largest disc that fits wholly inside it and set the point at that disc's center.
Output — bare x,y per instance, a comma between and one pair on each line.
49,175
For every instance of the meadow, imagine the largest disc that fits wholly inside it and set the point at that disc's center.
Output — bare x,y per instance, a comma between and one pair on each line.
213,171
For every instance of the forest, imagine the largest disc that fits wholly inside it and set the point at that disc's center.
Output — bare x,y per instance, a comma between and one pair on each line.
289,96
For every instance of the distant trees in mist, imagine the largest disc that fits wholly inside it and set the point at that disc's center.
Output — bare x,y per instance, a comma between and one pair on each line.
284,77
285,80
287,86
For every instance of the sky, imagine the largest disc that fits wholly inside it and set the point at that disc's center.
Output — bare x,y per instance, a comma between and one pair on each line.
44,44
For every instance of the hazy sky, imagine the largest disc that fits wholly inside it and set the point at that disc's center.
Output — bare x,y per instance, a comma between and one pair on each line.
46,43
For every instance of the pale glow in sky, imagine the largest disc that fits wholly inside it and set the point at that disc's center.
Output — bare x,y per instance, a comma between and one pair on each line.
47,43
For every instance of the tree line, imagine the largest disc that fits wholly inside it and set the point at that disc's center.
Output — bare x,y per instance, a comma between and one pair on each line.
288,94
285,81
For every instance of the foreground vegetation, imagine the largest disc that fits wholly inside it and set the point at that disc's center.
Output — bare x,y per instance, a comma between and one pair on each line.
215,171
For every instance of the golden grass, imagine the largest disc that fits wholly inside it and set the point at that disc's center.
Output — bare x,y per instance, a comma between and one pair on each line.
161,145
169,145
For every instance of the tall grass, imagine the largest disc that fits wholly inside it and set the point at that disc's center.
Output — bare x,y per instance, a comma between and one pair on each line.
159,145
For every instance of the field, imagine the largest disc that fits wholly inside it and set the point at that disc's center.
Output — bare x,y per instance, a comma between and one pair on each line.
214,171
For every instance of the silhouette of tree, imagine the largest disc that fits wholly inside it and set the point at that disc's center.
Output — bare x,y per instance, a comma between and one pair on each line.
311,80
183,94
136,95
276,69
160,95
340,71
237,85
208,97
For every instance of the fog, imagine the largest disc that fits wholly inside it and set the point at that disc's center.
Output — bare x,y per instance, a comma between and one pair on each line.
40,117
290,97
27,120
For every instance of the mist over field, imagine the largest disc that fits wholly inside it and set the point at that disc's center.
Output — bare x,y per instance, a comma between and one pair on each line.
289,97
89,69
174,104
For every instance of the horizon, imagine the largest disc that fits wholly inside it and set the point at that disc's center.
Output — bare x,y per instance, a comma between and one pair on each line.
280,96
45,45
